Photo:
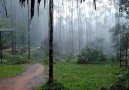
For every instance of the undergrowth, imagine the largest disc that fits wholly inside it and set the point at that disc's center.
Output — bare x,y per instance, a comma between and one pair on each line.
122,82
14,59
52,86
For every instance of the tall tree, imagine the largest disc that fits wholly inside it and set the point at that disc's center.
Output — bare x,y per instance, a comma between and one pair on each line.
124,7
50,41
118,33
50,29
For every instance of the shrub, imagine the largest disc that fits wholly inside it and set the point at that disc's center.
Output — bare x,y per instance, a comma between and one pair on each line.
122,82
45,60
17,59
112,60
14,59
90,55
6,56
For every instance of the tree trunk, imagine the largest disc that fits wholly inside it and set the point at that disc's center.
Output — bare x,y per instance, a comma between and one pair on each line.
28,30
50,41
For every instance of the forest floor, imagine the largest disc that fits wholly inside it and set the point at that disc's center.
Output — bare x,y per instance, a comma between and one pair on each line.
31,78
85,76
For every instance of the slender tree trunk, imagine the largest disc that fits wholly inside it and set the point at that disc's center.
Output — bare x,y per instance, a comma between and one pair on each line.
117,52
60,28
50,41
72,28
78,13
12,28
28,30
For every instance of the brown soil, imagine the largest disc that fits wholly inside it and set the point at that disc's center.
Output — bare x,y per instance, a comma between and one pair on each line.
28,80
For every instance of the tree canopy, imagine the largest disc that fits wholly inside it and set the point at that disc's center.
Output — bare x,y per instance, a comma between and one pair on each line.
22,2
124,6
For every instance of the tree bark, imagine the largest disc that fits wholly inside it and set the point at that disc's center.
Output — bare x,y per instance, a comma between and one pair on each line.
50,41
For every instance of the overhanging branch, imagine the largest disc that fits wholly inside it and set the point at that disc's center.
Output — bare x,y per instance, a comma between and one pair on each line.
22,2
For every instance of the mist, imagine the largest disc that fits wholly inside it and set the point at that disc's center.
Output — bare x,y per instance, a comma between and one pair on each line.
75,26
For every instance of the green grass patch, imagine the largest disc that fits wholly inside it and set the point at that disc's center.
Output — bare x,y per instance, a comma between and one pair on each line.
52,86
74,76
85,77
7,71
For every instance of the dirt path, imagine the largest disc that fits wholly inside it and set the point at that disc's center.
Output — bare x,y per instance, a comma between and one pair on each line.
26,81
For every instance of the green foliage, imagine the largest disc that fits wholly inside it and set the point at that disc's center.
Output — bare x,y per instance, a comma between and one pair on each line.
117,31
119,34
52,86
90,55
45,60
122,82
124,6
17,59
112,60
6,56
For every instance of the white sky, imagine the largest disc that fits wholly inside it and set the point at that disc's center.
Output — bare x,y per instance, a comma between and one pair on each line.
86,8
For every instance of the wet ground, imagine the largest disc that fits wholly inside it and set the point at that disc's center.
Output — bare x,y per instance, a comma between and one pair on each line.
33,77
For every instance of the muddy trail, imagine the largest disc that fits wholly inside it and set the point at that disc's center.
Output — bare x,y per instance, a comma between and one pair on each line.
28,80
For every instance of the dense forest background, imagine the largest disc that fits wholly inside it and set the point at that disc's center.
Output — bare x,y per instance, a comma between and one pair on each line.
74,28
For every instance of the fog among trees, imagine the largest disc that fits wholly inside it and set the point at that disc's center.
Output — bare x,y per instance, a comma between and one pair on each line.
73,32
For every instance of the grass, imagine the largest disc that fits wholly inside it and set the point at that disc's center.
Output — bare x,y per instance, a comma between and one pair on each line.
7,71
84,77
52,86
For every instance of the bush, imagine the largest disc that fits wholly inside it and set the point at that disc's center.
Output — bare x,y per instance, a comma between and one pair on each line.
14,59
45,60
52,86
122,82
90,55
112,60
17,60
6,56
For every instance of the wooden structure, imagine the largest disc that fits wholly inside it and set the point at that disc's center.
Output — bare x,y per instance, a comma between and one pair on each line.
124,51
4,40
